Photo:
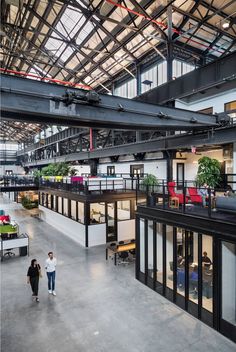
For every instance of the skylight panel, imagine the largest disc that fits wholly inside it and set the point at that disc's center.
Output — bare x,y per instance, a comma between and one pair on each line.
70,22
84,32
66,54
55,46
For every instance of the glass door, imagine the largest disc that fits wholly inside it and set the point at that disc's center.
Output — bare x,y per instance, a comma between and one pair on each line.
180,175
111,222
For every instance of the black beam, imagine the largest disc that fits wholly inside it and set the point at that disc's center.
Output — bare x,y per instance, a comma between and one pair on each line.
219,73
220,136
40,102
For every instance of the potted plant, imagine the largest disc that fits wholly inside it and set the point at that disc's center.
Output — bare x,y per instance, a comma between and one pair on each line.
150,183
208,172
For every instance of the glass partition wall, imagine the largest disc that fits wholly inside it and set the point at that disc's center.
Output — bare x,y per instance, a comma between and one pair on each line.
185,267
194,270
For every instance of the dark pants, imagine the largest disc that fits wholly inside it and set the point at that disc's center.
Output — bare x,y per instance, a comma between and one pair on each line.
34,283
51,280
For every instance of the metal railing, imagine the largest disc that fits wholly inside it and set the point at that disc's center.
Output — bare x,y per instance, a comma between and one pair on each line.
191,199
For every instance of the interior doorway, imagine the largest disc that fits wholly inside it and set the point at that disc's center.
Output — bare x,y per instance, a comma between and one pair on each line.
111,222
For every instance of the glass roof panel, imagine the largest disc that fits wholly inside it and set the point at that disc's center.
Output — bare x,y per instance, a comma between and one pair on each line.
87,28
70,22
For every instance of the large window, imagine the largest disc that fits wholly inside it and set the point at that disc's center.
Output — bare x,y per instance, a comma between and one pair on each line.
97,213
142,246
127,89
150,249
159,254
111,170
229,282
136,170
60,205
81,212
49,201
230,109
150,75
193,266
169,256
123,210
73,209
65,206
207,273
54,202
180,243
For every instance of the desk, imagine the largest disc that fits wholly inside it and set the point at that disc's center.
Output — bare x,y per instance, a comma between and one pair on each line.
8,229
19,242
120,248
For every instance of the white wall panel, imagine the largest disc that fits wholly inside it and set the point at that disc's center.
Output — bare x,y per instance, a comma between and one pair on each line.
96,235
70,228
126,229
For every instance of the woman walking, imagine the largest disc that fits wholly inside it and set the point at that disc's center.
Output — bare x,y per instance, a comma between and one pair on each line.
33,275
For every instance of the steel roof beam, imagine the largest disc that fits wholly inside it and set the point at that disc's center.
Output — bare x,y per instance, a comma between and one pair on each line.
40,102
182,141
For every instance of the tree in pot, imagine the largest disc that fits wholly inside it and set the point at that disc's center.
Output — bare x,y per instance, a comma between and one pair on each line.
150,183
208,172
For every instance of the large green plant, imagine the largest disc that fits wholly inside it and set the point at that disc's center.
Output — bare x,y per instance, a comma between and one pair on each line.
150,183
150,180
56,169
208,171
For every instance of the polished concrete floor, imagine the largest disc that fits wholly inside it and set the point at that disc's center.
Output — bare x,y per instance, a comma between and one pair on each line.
98,308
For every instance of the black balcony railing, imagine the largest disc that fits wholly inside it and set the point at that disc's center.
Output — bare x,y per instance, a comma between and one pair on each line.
187,198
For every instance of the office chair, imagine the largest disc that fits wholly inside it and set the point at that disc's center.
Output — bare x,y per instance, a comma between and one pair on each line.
132,251
4,236
9,253
112,247
123,256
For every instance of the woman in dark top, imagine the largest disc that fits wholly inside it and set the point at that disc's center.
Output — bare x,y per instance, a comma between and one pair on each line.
33,277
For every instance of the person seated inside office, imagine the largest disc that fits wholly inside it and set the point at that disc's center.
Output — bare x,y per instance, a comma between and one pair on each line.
229,192
203,192
206,261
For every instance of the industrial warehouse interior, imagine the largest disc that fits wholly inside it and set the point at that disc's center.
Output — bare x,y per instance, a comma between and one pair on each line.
118,175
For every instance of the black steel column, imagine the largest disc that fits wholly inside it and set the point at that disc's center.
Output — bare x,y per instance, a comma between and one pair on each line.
86,221
138,78
137,249
164,258
93,167
169,155
169,45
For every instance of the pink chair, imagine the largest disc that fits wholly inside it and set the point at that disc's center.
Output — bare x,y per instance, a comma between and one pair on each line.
172,193
5,218
194,196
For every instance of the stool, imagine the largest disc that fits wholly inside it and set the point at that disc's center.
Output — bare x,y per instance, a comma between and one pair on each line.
174,202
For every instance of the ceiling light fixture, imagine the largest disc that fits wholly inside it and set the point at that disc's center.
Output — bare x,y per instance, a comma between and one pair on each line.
225,25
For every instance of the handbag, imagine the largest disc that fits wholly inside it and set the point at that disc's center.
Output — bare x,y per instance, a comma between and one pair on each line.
40,272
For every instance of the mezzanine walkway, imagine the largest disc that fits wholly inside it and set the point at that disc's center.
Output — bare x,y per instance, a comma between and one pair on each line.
99,307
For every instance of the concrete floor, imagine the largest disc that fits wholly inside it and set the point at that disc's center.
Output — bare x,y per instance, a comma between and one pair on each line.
98,308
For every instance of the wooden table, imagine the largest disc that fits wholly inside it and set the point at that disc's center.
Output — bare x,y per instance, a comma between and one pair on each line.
120,248
174,202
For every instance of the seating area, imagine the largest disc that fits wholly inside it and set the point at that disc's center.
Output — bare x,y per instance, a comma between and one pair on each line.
195,200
